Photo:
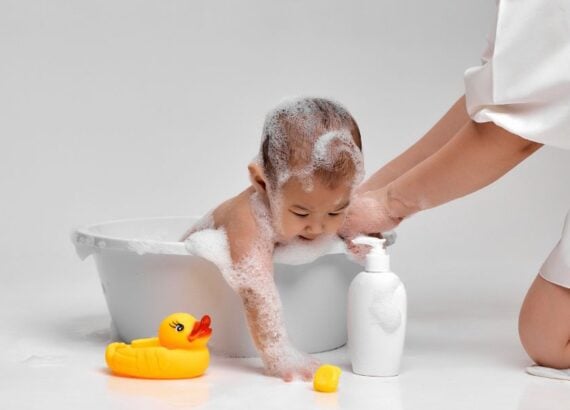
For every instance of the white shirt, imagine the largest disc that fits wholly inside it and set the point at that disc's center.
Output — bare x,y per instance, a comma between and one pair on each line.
523,84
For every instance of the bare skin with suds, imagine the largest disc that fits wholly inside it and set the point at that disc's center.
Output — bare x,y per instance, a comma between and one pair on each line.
309,163
303,216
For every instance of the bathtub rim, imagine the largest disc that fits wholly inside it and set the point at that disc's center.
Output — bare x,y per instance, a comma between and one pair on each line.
87,242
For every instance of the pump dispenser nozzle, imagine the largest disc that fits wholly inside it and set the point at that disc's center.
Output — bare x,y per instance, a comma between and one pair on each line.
377,260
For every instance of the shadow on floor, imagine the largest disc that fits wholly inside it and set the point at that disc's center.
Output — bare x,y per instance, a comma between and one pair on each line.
91,329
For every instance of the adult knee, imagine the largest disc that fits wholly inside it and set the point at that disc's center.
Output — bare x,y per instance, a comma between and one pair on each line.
540,345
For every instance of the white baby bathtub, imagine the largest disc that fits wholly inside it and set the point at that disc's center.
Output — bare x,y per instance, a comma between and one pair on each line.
146,275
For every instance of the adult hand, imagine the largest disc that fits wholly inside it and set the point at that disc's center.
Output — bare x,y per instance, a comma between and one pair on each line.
368,214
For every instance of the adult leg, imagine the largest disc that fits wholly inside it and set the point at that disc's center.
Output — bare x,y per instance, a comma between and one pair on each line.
544,324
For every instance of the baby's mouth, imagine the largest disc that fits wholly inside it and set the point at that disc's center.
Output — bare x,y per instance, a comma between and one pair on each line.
306,238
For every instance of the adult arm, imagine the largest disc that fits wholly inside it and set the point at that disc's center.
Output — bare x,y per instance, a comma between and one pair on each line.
475,157
431,142
478,155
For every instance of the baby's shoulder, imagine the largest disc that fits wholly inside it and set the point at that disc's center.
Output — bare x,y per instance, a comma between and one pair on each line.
235,214
244,232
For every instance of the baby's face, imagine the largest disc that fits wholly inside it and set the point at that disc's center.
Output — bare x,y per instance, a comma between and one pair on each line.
306,215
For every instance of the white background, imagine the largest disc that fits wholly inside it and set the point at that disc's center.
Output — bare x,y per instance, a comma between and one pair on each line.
128,108
119,109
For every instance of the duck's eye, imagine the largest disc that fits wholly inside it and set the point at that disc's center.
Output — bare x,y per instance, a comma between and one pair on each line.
178,326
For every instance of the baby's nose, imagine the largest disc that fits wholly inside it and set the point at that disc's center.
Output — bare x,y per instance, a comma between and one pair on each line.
315,228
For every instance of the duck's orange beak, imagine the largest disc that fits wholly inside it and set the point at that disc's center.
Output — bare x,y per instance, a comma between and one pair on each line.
201,329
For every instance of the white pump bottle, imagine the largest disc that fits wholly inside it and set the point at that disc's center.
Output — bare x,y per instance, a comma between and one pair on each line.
377,312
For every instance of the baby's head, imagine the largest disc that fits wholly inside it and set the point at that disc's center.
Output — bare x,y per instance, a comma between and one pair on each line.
310,161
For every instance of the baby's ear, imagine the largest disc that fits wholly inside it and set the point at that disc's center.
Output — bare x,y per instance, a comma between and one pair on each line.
257,178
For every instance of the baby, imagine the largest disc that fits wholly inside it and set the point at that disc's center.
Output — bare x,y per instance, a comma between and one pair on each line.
301,184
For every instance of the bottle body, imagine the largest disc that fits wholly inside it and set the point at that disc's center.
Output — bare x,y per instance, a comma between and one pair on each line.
376,319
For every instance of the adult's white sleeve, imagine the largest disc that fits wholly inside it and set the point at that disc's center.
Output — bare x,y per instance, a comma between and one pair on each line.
523,83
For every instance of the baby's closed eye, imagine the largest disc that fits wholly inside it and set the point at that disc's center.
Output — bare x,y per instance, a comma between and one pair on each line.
299,214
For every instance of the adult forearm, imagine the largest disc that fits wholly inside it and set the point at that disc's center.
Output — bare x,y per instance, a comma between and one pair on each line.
430,143
478,155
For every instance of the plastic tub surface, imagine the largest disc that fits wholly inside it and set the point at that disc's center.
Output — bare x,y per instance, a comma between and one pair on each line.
147,275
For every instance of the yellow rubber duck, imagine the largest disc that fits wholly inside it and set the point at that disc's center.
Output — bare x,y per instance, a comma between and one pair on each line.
178,352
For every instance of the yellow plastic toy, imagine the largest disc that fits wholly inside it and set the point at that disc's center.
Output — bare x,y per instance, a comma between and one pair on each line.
326,378
178,352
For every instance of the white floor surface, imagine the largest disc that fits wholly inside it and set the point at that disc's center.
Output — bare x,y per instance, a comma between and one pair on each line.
52,345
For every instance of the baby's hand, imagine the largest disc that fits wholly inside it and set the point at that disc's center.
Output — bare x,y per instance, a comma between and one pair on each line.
289,363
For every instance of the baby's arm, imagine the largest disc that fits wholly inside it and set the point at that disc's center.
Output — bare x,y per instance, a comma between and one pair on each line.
265,319
252,278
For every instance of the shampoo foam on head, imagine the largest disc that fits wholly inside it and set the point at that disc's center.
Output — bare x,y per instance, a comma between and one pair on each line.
377,312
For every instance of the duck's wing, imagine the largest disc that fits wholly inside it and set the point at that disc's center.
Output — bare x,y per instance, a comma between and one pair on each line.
147,362
157,362
149,342
122,359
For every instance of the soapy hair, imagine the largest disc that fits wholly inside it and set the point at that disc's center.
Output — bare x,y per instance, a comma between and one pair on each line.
308,137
